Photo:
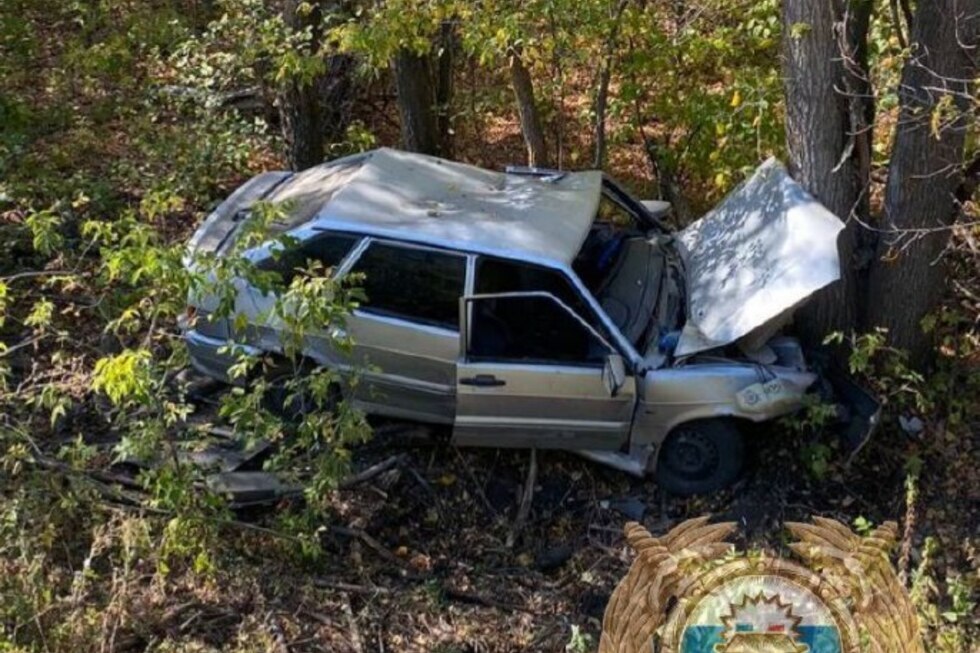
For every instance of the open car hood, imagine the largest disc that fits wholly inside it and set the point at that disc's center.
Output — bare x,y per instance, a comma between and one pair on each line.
752,259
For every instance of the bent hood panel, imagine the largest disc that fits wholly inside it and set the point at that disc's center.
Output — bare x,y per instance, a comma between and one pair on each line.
761,252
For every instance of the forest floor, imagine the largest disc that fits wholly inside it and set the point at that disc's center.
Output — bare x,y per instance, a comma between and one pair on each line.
419,558
429,555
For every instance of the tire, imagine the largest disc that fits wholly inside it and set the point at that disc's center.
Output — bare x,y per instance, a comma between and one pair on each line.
701,457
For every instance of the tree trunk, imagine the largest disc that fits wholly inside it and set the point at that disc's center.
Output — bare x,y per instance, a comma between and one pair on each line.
823,151
417,103
314,112
527,110
602,89
907,279
663,170
444,62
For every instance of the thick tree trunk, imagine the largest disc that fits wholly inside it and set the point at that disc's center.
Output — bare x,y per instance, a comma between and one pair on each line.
823,150
527,110
444,62
907,279
417,103
314,113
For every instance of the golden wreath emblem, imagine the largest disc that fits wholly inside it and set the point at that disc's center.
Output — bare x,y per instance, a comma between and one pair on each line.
691,592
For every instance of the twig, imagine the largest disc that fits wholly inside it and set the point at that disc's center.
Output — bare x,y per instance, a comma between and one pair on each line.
272,624
476,483
34,273
45,462
371,472
371,543
899,32
527,497
469,597
350,587
24,343
421,481
355,633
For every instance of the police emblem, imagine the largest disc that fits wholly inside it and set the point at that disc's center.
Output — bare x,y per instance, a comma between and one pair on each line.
690,592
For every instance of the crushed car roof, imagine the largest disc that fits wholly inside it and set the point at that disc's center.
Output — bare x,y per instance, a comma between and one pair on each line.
425,199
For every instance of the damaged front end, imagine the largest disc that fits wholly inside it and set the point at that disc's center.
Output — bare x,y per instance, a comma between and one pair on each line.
747,266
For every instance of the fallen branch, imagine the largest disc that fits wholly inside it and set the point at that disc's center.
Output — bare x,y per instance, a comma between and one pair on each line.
476,484
350,587
355,632
371,472
460,596
527,497
369,541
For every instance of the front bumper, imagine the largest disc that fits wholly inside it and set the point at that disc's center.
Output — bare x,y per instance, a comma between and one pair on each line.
859,411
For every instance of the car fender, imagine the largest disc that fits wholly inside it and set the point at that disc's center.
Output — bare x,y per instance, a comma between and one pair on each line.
673,396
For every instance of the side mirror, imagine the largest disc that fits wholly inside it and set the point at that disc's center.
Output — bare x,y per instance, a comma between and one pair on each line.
657,208
614,373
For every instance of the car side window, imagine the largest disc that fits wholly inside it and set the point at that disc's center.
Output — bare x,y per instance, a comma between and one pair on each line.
420,285
497,275
494,275
530,329
612,213
329,248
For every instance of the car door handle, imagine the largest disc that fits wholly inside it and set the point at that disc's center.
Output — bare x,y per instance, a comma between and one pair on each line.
483,381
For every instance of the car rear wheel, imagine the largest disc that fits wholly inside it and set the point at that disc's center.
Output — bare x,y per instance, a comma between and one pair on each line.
700,457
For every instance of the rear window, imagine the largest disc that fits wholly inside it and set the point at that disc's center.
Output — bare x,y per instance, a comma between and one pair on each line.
329,248
414,284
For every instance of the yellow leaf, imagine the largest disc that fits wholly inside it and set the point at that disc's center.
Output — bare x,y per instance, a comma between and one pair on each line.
736,99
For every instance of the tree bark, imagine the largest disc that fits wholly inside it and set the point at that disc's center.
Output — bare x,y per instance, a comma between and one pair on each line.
444,62
852,46
417,103
824,152
663,170
907,279
602,89
314,112
527,111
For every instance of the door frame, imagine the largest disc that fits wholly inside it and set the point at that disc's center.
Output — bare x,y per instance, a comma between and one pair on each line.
601,435
465,313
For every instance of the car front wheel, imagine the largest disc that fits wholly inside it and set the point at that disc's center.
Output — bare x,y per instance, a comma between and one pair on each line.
700,457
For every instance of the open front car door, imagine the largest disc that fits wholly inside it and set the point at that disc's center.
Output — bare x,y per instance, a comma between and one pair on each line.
533,373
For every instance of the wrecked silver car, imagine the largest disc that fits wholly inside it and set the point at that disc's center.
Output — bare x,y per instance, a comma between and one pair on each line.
548,309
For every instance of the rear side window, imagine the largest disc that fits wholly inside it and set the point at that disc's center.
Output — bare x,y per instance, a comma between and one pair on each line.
329,248
413,284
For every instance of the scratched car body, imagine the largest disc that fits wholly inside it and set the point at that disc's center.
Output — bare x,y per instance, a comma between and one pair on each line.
546,309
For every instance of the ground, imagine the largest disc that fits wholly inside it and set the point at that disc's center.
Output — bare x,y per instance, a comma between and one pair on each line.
417,558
